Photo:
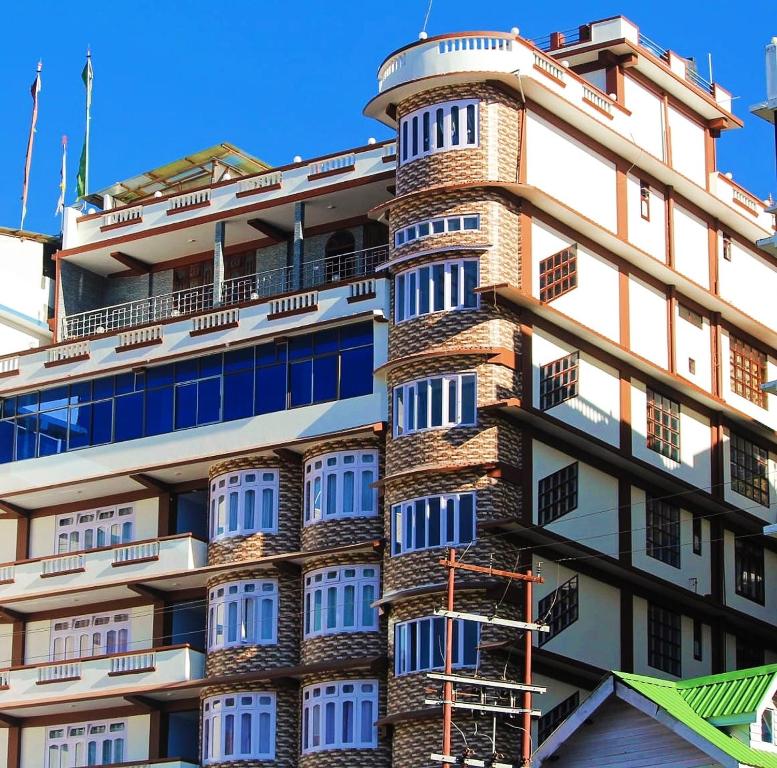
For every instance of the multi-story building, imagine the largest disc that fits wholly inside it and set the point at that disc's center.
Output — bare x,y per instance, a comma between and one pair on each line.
533,327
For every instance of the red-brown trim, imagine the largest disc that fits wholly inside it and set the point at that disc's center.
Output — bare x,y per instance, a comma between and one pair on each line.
622,200
624,520
331,172
550,76
119,224
66,360
712,253
292,312
625,436
626,629
61,573
361,297
522,161
525,225
215,328
257,191
138,345
191,207
671,330
6,374
624,313
669,200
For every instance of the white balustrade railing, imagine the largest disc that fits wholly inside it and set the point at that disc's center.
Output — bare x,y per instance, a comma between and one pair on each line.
293,303
132,552
476,43
7,573
53,672
589,94
69,351
9,364
62,564
215,319
122,216
362,288
390,67
547,65
332,164
134,662
271,179
188,199
745,200
141,335
390,149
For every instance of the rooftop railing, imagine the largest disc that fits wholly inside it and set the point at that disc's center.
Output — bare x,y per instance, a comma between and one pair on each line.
192,301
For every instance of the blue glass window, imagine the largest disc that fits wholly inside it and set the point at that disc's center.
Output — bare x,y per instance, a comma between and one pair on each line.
331,364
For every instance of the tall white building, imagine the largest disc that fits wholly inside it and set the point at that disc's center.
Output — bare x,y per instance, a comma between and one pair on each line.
534,327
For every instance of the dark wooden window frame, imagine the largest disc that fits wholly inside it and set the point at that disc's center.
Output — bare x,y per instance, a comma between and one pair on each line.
558,274
558,380
559,609
557,494
664,640
663,425
749,570
747,366
662,531
554,717
749,465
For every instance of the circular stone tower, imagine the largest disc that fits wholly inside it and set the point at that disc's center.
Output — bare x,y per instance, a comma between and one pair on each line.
453,461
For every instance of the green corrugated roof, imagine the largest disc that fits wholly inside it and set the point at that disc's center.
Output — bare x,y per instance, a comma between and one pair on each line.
708,694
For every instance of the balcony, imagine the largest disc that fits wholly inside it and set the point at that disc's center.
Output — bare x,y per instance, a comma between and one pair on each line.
54,580
99,676
240,290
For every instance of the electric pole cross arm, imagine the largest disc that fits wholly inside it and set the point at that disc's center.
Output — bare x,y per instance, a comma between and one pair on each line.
532,627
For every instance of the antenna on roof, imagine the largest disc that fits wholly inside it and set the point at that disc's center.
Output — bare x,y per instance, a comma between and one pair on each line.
423,34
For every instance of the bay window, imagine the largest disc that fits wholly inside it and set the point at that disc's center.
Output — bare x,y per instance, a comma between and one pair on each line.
444,285
339,485
94,528
434,521
438,226
439,401
242,613
340,600
419,645
439,128
340,715
83,636
242,503
238,726
79,744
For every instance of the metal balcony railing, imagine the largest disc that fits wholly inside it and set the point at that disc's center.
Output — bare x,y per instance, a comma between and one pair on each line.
192,301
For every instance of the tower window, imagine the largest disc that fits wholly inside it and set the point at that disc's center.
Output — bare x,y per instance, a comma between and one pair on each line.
451,125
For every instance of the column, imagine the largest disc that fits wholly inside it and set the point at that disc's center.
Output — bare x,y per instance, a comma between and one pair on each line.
218,261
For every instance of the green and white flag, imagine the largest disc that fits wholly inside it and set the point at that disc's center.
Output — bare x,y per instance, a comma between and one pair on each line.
82,180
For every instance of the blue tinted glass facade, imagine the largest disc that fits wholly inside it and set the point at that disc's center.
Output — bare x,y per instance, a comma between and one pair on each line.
318,367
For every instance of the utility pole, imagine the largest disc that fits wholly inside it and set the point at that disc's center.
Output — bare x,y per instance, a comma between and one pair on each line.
490,693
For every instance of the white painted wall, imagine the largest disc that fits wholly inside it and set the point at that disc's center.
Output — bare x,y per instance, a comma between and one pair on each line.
647,117
749,282
691,566
767,514
550,157
766,415
648,322
557,691
7,540
691,246
598,607
689,667
595,521
596,409
693,343
648,235
6,637
687,138
695,436
594,302
766,612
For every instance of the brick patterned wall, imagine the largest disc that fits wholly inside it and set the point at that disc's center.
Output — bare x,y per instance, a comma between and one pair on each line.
466,165
287,739
234,549
254,658
350,758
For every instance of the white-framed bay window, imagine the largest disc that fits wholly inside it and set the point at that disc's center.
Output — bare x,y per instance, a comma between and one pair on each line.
94,528
340,599
79,744
243,613
340,484
439,401
419,644
438,287
439,128
238,726
83,636
432,521
340,715
245,502
437,226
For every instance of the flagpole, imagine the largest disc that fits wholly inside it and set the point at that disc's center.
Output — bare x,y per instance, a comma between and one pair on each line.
82,179
35,90
62,186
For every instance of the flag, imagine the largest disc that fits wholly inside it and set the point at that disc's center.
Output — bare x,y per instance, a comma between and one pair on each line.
82,180
62,178
34,90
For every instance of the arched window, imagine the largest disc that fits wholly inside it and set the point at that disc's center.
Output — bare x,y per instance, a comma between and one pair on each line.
339,257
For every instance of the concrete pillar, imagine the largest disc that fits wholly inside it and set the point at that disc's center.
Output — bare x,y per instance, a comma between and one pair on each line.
218,261
297,250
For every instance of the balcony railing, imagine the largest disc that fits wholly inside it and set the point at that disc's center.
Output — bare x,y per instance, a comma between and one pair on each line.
312,274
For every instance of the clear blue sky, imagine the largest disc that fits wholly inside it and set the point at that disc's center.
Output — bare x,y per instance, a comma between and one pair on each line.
280,79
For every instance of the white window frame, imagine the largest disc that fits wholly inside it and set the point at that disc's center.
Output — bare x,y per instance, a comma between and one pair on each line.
407,401
329,592
68,745
255,709
448,510
412,127
326,703
79,637
402,646
326,479
408,293
94,528
440,225
231,514
235,611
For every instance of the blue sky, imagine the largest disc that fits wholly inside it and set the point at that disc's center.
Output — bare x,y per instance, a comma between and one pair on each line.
281,79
